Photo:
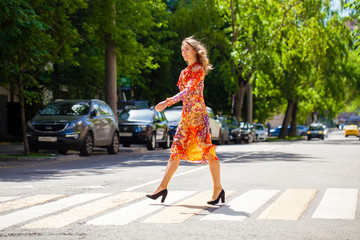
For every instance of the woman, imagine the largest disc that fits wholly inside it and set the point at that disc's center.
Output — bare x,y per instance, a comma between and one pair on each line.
192,140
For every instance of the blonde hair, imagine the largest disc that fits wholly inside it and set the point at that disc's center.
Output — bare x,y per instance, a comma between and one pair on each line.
201,52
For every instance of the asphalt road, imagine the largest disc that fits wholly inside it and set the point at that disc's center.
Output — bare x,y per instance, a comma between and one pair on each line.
275,190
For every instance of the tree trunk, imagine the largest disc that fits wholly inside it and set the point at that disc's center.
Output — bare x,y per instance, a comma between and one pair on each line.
22,107
249,101
239,100
110,67
293,123
283,131
110,76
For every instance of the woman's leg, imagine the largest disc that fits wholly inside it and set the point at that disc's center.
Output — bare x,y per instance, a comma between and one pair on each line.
169,172
214,166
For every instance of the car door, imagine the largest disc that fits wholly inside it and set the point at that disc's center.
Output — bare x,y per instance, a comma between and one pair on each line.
215,125
97,124
107,123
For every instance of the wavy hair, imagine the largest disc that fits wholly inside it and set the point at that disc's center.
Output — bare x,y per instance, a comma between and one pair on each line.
201,52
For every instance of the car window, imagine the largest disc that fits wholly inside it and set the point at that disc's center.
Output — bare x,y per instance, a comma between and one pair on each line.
211,113
105,110
259,127
136,115
96,107
66,108
173,115
315,128
158,116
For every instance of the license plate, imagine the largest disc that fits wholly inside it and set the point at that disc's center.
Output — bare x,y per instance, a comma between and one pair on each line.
47,139
123,134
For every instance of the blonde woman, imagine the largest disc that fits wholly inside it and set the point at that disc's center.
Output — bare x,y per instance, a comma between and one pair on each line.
192,141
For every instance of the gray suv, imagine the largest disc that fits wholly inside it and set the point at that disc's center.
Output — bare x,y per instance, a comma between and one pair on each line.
74,125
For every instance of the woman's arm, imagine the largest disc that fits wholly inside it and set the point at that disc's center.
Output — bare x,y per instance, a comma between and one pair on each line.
191,86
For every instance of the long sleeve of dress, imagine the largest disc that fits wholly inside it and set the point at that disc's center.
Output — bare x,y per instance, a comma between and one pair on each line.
192,84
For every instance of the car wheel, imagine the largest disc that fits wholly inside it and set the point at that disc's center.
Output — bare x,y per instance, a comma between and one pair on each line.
346,135
88,145
151,143
309,138
114,147
62,151
167,142
322,138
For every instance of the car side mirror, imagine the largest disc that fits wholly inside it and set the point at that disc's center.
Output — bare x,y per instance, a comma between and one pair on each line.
157,120
94,113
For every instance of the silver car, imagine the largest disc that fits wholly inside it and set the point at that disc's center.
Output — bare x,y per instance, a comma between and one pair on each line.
261,132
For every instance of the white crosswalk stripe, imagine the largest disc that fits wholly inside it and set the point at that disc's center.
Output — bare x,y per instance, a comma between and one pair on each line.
48,208
337,204
241,207
58,211
136,210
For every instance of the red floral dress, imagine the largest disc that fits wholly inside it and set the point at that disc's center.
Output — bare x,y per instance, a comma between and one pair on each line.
192,140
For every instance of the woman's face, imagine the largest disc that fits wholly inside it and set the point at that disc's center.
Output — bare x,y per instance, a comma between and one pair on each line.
188,53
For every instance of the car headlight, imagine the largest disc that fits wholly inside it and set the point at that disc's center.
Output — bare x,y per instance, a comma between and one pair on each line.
30,124
308,132
140,128
320,132
74,124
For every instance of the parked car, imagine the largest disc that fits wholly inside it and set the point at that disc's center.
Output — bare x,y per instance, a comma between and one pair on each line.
215,128
275,132
232,124
173,115
351,130
74,125
260,132
225,129
317,130
144,125
247,132
301,130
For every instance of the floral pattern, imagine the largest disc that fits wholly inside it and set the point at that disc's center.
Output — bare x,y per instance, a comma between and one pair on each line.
192,140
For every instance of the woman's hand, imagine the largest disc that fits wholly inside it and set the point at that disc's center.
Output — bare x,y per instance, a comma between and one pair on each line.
160,106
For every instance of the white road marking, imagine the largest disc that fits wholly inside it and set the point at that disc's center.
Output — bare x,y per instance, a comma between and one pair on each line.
337,204
197,169
290,205
44,209
18,187
134,211
4,199
84,211
28,201
91,187
243,206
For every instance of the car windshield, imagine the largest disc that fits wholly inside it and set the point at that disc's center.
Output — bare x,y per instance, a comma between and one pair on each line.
173,115
66,109
259,127
315,128
136,115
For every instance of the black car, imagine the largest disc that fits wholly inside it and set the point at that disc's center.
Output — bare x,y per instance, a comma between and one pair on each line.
74,125
173,116
138,126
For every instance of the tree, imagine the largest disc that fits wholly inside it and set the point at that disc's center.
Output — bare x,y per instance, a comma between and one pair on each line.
31,41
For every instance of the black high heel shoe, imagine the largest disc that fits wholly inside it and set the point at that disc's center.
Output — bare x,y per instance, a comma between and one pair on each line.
162,193
221,196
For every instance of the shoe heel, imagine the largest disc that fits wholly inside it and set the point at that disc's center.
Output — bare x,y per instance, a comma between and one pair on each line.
163,197
223,198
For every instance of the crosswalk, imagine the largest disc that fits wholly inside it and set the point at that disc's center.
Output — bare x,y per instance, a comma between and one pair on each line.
48,211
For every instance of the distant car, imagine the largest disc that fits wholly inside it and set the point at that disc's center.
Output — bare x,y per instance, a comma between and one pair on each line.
247,132
173,116
260,132
74,125
232,124
317,130
275,132
351,130
225,129
301,130
215,128
144,126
